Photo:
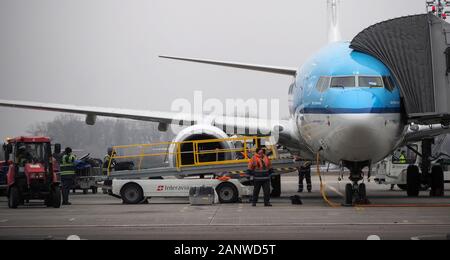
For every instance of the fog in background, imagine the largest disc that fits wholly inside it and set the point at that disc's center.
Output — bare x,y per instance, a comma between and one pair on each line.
104,52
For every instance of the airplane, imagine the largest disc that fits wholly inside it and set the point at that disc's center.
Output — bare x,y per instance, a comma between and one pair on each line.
344,105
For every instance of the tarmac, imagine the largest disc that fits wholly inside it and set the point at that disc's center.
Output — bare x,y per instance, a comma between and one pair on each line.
390,216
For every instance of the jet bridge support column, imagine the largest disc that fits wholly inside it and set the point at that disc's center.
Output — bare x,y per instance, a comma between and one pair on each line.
425,166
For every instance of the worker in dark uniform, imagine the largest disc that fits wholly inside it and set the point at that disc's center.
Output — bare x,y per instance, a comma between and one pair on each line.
23,156
304,172
107,167
67,174
260,167
58,155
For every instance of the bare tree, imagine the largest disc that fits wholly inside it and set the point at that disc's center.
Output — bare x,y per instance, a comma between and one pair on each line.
71,131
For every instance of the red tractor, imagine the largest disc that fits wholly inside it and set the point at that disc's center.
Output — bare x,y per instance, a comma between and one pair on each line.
32,172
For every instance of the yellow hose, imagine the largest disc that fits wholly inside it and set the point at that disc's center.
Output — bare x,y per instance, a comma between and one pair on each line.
323,186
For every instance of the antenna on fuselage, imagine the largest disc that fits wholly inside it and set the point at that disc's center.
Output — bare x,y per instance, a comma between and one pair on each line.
334,32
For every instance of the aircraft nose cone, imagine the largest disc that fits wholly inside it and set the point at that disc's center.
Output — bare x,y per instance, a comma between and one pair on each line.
363,133
359,132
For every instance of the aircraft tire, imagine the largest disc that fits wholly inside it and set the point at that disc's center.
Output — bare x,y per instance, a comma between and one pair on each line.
437,181
413,181
14,197
362,192
56,197
403,187
348,194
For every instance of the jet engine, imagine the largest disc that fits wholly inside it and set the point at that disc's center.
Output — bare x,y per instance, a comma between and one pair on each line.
196,133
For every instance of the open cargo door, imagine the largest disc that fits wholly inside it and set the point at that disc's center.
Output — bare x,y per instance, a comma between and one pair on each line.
417,51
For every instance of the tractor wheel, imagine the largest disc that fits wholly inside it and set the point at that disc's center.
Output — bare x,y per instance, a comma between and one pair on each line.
413,181
14,197
56,197
48,201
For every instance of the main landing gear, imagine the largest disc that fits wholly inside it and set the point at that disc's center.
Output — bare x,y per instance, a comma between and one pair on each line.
355,193
423,180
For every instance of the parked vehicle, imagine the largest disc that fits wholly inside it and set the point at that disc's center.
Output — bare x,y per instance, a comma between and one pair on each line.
31,172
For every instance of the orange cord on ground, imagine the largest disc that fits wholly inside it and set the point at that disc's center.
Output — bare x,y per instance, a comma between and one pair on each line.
323,186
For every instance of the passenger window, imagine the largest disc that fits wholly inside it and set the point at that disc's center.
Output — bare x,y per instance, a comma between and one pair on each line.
388,83
371,82
343,82
323,84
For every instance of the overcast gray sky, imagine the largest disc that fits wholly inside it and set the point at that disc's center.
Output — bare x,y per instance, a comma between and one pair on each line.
104,52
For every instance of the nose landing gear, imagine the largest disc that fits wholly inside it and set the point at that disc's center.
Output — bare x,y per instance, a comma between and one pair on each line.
355,193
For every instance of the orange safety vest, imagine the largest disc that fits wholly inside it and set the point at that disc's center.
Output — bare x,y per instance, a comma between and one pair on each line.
261,167
256,163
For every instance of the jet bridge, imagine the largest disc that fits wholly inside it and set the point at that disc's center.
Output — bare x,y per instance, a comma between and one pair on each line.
417,51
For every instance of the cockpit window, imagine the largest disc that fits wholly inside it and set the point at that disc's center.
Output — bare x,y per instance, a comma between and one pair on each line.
323,84
389,83
343,82
371,82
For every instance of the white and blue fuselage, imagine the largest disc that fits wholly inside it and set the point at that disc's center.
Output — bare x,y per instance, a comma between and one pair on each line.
346,104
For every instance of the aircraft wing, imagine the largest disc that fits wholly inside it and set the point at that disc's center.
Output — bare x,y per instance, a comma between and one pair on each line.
262,68
162,117
230,124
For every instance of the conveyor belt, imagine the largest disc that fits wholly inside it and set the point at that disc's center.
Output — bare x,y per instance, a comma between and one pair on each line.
281,164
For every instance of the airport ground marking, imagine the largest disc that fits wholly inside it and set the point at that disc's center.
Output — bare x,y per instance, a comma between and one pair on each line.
288,225
335,190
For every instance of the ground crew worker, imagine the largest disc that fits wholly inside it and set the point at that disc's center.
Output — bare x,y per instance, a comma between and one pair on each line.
67,174
57,155
402,158
107,167
23,157
260,167
304,172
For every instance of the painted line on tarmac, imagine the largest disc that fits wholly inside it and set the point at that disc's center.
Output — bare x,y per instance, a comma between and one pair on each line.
335,190
226,225
431,237
404,206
